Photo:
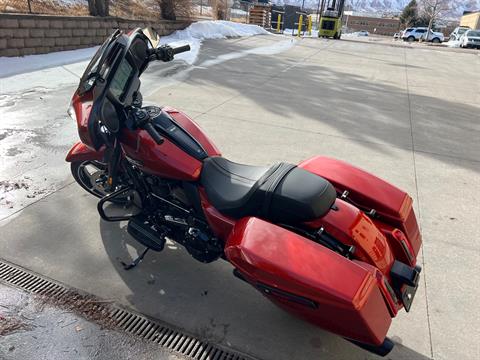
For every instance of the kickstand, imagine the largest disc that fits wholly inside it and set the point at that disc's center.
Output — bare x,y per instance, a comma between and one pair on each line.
136,261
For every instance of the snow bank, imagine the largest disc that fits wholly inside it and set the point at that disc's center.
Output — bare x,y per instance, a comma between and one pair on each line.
196,33
193,35
454,43
17,65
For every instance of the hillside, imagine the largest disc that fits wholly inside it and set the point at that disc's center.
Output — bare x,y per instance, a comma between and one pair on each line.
133,9
390,6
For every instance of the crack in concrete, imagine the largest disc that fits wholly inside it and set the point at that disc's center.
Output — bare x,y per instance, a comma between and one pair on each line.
407,88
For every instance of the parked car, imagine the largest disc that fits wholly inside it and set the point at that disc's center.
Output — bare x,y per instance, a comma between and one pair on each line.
415,34
458,32
362,33
434,36
470,39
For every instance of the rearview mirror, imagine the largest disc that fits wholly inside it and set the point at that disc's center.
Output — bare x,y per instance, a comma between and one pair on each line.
152,35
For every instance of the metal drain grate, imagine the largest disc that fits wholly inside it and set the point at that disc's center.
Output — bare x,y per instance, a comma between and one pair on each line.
123,319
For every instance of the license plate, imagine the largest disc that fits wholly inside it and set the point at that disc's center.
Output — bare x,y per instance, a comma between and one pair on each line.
408,293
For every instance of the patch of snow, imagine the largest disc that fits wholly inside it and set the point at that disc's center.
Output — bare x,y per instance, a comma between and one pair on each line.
194,35
199,31
454,43
272,49
17,65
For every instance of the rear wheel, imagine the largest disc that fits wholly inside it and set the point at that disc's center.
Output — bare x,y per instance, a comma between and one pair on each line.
411,39
436,41
92,176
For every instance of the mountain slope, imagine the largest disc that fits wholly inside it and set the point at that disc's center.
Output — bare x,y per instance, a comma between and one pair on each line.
388,6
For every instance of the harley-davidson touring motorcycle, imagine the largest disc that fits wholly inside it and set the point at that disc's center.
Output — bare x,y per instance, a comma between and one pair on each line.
322,239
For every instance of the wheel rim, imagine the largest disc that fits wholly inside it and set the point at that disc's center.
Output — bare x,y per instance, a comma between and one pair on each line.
92,174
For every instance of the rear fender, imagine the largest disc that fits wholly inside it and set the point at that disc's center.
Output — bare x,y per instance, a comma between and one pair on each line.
351,226
81,152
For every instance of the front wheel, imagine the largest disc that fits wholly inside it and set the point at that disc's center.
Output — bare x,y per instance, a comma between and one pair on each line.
411,39
92,176
436,41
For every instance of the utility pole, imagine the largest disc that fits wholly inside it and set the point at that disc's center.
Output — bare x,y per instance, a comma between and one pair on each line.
318,12
303,4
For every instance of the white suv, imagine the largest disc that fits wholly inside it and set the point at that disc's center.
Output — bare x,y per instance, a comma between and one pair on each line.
458,32
415,34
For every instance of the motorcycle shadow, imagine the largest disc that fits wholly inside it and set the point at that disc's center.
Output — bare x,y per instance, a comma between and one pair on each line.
209,302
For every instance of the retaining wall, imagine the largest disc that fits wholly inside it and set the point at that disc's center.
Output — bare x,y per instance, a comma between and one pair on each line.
38,34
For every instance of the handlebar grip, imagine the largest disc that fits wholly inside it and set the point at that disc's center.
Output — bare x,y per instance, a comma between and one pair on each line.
150,129
181,49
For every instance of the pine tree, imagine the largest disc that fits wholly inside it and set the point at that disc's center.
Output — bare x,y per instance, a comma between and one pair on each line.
409,15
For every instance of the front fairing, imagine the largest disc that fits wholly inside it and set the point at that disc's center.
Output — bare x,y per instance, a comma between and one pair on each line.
88,130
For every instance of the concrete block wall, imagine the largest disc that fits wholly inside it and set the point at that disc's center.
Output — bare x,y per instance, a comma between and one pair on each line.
38,34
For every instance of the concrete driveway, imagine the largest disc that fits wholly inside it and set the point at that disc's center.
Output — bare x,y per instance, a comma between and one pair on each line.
411,116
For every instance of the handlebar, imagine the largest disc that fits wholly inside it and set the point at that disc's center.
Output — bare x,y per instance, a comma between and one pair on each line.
150,129
181,49
141,119
166,53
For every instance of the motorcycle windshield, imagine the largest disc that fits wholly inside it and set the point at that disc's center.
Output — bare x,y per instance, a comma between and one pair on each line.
96,67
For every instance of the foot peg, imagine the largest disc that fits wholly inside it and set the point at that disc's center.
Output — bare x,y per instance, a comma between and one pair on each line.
141,230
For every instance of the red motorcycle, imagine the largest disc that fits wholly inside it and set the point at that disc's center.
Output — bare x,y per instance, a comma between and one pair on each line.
324,240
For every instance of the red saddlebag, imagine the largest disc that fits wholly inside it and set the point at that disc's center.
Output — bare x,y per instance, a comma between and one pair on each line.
367,192
310,280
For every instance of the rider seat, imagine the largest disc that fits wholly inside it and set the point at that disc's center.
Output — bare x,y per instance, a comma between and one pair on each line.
281,193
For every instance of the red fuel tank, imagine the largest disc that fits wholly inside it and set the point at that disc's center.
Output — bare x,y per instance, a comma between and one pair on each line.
168,160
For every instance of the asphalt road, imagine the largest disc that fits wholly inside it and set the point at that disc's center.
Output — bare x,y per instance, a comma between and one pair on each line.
409,115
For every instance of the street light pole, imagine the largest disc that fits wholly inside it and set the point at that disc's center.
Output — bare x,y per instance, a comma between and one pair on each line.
318,12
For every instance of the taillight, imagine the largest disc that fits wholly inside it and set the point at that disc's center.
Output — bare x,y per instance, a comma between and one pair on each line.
402,239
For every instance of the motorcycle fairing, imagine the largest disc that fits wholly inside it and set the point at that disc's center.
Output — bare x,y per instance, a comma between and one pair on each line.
81,152
310,281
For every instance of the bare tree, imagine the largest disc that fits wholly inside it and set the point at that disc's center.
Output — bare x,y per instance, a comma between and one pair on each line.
99,7
432,10
172,8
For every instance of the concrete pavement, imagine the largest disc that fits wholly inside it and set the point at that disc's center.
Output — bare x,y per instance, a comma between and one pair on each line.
28,325
410,116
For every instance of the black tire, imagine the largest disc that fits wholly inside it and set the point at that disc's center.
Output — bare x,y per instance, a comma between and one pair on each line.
79,173
335,36
436,41
411,39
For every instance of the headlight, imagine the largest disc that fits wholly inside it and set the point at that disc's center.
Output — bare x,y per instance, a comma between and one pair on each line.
71,112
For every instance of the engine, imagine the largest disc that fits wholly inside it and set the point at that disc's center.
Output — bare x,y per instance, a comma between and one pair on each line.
175,217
